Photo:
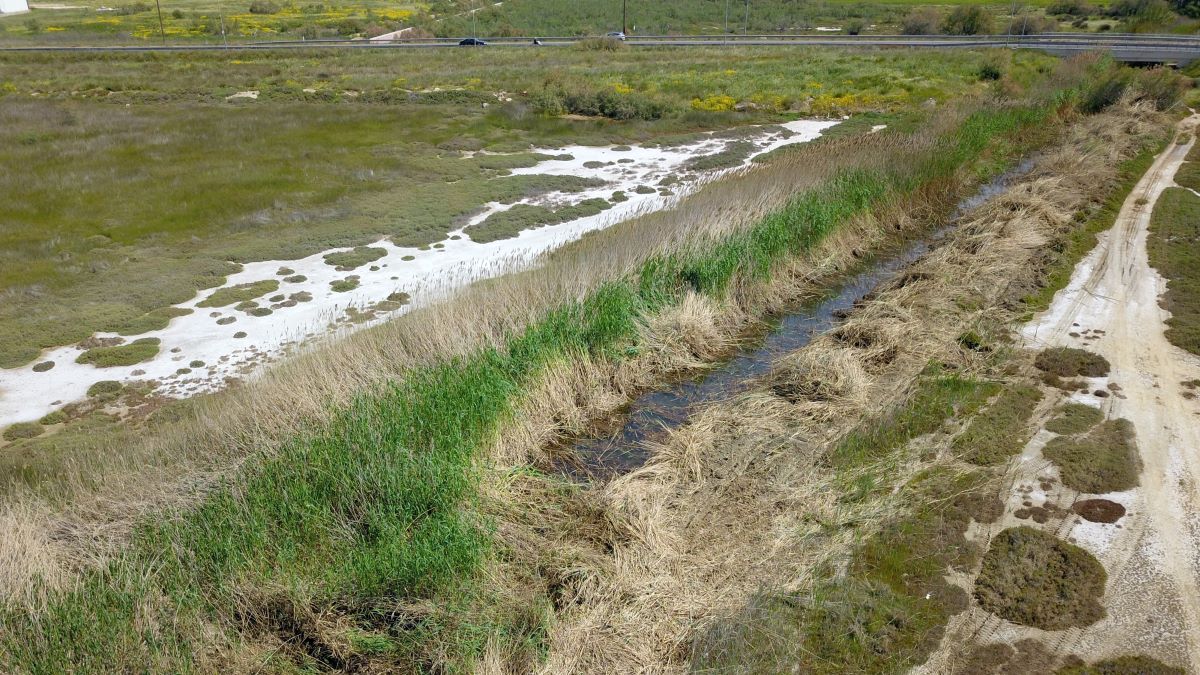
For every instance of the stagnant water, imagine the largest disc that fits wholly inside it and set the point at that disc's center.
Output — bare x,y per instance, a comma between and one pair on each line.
622,447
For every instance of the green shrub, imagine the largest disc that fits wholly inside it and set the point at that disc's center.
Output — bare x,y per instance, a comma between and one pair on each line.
989,72
921,21
967,20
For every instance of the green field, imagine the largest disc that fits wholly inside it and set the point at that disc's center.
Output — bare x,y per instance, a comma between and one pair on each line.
139,181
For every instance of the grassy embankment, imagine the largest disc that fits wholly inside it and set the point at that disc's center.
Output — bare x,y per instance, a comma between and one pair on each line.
139,182
1174,249
364,533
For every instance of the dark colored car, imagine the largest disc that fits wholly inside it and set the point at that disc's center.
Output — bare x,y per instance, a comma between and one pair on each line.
472,42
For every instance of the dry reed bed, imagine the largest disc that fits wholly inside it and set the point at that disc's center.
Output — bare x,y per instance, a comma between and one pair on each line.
82,519
724,507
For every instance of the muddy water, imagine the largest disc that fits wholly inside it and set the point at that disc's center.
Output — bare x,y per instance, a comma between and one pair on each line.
621,446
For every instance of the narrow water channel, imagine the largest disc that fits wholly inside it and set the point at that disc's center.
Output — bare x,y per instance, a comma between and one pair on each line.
621,447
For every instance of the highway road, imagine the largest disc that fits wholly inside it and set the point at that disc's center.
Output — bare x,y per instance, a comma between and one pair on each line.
1131,48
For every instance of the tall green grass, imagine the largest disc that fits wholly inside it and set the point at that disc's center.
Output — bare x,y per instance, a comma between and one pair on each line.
378,509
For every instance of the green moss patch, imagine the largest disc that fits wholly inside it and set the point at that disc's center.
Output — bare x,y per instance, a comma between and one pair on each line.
1071,362
1105,460
344,261
1074,418
240,293
344,285
43,366
1174,250
1036,579
1002,429
56,417
22,430
295,278
1124,665
121,355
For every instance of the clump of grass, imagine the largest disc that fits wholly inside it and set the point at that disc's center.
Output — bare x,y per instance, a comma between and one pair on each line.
1035,579
295,278
226,320
1071,362
1074,418
344,261
121,355
400,297
1000,431
1106,460
344,285
1123,665
196,364
240,334
1174,250
644,190
56,417
23,430
240,293
43,366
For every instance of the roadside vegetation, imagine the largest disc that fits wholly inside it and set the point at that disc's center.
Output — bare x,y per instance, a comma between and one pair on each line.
356,153
381,531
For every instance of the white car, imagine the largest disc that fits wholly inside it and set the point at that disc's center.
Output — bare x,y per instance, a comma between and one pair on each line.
617,35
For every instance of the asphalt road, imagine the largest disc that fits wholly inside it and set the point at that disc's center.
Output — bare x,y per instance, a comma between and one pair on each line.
1131,48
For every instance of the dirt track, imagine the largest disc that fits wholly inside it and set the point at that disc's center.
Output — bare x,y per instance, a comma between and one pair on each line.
1152,555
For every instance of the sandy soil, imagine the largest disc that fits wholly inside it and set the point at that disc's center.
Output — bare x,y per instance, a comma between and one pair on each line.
240,348
1152,555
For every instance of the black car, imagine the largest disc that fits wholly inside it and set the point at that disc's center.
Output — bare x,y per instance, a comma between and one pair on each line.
472,42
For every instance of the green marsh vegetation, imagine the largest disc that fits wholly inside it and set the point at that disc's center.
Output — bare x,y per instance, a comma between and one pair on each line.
170,192
379,547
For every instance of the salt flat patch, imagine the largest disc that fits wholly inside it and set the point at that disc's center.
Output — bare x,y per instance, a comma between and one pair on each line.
240,348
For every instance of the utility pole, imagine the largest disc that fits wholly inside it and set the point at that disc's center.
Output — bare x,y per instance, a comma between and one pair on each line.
624,18
725,37
162,33
221,13
474,33
746,25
